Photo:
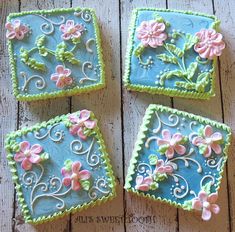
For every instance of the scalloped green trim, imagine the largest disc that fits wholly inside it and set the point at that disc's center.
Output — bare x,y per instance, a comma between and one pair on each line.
60,93
140,141
9,145
162,90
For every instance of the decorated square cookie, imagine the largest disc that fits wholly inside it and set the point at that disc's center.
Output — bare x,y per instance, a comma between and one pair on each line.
173,53
60,166
54,53
179,159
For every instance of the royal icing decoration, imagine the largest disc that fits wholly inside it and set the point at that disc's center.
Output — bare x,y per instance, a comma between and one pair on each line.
172,58
78,179
75,171
167,164
54,53
29,155
82,124
62,77
207,141
16,30
210,44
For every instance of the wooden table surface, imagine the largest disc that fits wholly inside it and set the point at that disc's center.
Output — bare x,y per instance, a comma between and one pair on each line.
120,113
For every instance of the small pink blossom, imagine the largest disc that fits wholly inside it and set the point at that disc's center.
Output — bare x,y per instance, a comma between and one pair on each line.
62,77
163,168
143,183
151,33
206,203
28,155
81,122
16,30
209,141
74,176
171,144
71,30
210,43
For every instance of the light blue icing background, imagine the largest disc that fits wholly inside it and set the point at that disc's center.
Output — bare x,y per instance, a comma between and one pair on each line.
59,152
50,61
179,21
189,173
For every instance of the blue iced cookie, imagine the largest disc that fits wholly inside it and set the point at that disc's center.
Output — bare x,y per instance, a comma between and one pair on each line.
173,53
54,53
179,158
60,166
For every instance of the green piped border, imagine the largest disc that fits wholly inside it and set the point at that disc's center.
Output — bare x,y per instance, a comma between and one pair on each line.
12,164
141,139
161,90
59,93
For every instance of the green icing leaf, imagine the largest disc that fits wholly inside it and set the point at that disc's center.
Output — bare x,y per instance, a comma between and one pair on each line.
192,69
40,41
202,148
68,164
31,62
76,40
168,75
185,85
162,149
44,156
160,177
85,185
207,187
167,59
188,205
175,50
69,56
154,186
190,41
62,55
202,81
153,159
139,50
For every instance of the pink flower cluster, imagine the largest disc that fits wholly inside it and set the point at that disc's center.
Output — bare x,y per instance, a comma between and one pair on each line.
151,33
74,176
28,155
16,30
71,30
210,43
206,203
81,122
209,140
62,77
171,143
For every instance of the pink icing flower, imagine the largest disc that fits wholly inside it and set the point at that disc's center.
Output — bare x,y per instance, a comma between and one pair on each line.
206,203
209,141
71,30
210,43
28,155
163,168
74,176
80,123
151,33
62,77
16,30
143,183
169,144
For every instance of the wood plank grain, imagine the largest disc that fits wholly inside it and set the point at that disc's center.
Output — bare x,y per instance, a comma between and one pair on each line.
161,217
225,12
8,121
211,109
106,104
33,112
